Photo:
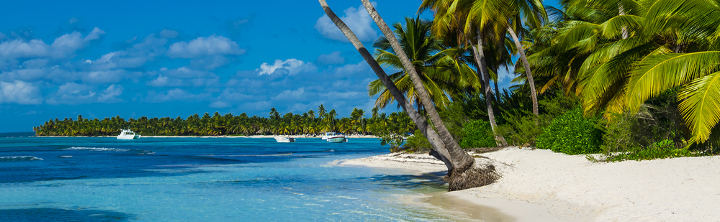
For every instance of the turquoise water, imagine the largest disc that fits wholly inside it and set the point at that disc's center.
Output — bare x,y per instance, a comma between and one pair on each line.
199,179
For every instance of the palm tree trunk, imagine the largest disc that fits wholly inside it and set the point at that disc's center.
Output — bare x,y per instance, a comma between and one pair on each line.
482,68
441,151
528,72
461,160
497,89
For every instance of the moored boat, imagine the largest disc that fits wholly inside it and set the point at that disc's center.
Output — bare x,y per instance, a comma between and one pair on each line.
327,135
284,139
336,138
127,134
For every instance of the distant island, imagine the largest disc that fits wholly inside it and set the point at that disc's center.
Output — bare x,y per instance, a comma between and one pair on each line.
308,123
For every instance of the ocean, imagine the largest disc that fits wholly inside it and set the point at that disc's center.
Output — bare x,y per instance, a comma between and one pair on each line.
201,179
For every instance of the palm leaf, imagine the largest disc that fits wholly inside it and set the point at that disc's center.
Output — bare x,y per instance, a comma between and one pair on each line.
700,105
658,73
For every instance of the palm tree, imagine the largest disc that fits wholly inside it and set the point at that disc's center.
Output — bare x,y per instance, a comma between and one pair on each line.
533,13
440,150
464,161
464,22
442,76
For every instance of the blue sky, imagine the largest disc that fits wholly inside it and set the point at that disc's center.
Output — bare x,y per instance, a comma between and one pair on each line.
133,58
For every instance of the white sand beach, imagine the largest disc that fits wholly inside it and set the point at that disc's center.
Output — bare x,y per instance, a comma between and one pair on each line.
540,185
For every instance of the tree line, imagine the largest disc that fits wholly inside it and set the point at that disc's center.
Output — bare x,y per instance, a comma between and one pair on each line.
307,123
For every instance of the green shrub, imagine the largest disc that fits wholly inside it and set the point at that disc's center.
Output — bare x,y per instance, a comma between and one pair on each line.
620,135
658,150
417,142
521,130
477,133
571,133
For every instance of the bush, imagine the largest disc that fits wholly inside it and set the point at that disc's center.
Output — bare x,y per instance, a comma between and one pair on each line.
417,142
520,126
620,134
571,133
658,150
477,133
520,130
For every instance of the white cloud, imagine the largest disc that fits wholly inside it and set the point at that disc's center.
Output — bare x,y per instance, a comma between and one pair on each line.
106,76
290,94
111,93
219,104
73,93
19,92
62,46
28,74
204,46
356,18
94,34
133,57
184,76
77,93
117,59
21,49
332,58
360,67
288,66
174,95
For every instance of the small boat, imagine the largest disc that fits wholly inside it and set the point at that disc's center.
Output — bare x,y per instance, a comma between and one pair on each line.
337,139
127,134
284,139
334,137
327,135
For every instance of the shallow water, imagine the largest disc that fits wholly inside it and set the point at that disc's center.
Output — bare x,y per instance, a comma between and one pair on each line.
199,179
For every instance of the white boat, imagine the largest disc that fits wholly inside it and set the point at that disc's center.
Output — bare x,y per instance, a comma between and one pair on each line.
334,137
284,139
327,135
127,134
337,139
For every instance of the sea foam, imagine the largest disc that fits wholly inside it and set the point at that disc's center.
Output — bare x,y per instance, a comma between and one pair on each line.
97,149
18,158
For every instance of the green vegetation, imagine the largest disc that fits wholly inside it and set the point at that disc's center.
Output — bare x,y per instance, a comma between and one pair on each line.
228,124
571,133
477,133
658,150
417,142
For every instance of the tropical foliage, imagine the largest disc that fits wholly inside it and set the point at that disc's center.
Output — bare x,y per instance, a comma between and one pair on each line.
618,54
571,133
308,123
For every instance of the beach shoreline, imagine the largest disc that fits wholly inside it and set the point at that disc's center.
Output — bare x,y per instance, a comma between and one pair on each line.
540,185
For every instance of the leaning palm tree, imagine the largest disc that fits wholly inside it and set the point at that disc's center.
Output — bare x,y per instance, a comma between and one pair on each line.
448,151
464,160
